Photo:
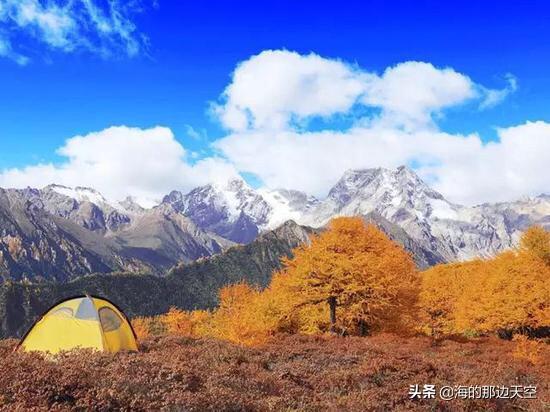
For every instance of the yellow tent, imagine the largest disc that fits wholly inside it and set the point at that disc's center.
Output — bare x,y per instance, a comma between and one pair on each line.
81,322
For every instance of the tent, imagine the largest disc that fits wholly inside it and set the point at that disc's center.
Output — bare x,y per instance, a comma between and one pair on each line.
81,322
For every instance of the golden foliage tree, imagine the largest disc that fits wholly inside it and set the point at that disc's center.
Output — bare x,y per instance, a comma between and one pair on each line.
510,292
442,287
536,242
355,269
243,315
185,323
141,327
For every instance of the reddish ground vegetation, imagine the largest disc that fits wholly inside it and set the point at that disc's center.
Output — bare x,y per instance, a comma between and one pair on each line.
292,373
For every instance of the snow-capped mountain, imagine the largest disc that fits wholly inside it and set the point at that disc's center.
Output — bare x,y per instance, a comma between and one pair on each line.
61,232
91,233
81,205
448,230
452,231
236,211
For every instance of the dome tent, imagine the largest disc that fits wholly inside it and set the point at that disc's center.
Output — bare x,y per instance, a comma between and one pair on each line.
80,322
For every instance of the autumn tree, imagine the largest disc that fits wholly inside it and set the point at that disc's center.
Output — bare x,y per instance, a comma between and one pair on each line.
505,294
141,327
186,323
245,315
536,241
357,268
442,288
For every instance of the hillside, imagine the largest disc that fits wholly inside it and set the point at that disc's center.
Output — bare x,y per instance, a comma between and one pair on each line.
47,235
291,373
191,286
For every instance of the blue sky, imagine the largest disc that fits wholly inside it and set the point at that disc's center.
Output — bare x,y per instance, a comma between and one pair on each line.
187,51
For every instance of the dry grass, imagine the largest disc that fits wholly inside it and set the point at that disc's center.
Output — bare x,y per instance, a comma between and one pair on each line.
292,373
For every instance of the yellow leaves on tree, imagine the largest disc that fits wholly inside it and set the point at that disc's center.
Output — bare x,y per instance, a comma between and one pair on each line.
352,278
442,287
141,327
184,323
354,270
536,242
507,293
243,316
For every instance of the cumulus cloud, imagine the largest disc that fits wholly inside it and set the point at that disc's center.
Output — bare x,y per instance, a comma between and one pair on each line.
461,167
270,90
277,88
516,165
411,93
121,161
71,25
270,98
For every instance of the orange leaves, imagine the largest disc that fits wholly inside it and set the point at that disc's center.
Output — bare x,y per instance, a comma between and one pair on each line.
178,322
183,323
141,327
372,278
530,350
245,315
234,297
508,292
376,287
536,241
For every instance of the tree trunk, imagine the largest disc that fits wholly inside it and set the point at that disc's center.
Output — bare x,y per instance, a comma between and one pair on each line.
363,328
332,305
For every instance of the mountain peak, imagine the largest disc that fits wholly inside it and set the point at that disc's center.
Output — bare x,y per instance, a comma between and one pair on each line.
132,205
173,197
234,184
79,193
354,181
52,186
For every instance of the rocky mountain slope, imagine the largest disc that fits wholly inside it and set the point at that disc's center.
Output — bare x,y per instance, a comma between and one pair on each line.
445,230
49,234
60,233
35,244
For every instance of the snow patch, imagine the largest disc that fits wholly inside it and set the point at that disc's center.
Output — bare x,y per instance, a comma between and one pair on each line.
442,210
280,209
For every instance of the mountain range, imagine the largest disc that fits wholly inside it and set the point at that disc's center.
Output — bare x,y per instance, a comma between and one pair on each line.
61,233
397,200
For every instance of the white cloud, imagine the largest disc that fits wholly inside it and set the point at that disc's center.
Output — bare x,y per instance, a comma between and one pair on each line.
512,167
411,93
270,89
275,87
269,97
462,168
72,25
494,97
121,161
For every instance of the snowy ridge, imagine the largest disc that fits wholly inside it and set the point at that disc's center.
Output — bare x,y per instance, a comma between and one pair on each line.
86,194
450,230
239,213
